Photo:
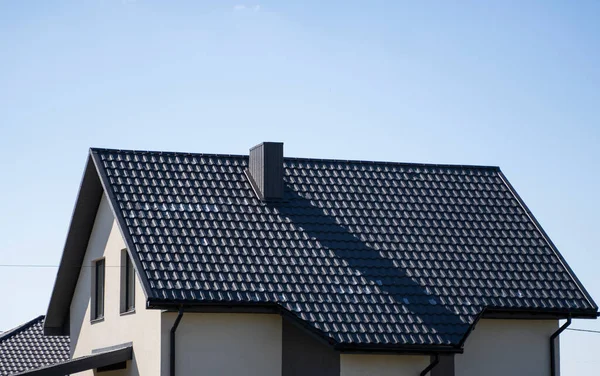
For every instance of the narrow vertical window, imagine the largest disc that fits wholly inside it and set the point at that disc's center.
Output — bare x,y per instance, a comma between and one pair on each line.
98,311
127,283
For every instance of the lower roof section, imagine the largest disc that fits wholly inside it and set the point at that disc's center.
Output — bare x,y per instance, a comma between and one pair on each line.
25,347
98,359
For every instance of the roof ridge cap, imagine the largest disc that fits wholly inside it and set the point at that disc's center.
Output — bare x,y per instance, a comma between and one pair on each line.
328,160
16,330
177,153
410,164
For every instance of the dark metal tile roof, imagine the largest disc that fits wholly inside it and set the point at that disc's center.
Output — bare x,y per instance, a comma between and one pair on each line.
25,348
363,252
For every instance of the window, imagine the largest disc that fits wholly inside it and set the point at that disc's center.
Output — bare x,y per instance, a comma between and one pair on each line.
98,290
127,283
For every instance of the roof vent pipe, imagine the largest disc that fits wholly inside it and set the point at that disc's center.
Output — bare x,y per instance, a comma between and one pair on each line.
265,170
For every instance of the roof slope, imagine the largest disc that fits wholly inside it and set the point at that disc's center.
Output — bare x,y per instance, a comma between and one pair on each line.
26,347
364,253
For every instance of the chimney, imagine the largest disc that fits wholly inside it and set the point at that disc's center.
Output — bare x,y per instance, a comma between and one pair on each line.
265,170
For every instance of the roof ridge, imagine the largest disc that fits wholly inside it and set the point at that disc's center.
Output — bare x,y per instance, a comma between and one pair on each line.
179,153
327,160
14,331
411,164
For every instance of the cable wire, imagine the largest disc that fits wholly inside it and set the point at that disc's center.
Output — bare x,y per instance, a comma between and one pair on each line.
584,330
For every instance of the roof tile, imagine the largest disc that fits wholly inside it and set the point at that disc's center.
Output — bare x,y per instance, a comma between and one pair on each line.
26,347
364,252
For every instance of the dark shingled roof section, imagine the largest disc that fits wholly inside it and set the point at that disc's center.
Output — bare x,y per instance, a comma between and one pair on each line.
365,253
25,348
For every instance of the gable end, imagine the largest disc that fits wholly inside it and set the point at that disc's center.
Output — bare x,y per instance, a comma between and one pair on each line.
93,184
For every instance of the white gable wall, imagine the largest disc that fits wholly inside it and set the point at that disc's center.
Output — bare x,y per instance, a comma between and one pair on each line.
507,347
142,327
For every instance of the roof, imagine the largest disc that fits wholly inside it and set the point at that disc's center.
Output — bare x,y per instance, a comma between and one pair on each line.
106,359
25,348
364,254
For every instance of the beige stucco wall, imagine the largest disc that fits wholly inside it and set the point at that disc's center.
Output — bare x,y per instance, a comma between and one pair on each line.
382,365
507,347
224,344
142,327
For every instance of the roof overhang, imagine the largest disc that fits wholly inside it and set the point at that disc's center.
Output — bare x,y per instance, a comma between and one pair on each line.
397,349
537,314
107,359
94,183
82,223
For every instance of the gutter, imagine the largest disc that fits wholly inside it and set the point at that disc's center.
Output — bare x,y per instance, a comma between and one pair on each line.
553,347
436,360
396,349
172,350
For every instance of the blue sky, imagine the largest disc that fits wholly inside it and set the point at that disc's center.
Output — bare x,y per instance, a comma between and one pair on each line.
507,83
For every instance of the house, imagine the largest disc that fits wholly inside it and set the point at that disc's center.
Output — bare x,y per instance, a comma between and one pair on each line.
180,264
26,348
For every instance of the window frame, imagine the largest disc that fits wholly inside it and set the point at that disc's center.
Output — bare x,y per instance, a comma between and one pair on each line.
98,289
127,293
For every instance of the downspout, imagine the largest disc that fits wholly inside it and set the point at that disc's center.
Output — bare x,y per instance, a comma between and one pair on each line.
552,346
435,362
173,330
